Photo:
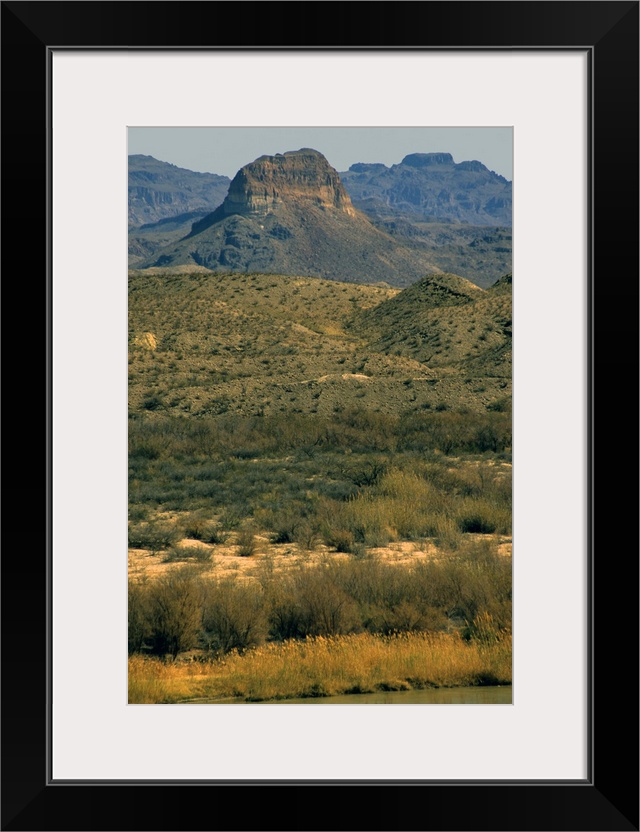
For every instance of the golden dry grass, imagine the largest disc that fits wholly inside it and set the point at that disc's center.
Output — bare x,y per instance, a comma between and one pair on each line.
324,667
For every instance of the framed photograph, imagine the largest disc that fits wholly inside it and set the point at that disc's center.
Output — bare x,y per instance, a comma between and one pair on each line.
562,79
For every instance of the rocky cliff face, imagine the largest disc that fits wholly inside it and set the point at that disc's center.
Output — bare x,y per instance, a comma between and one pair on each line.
290,214
427,160
301,176
159,190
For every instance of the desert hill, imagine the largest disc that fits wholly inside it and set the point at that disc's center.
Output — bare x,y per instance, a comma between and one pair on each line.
446,321
254,344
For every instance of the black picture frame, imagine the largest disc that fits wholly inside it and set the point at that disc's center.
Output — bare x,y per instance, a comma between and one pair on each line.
608,798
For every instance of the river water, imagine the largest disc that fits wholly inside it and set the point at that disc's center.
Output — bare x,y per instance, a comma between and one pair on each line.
501,695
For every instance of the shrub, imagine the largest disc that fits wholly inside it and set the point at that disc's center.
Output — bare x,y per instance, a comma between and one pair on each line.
213,533
138,612
446,533
405,617
306,535
193,528
501,405
342,539
246,542
178,553
284,525
481,516
328,609
366,475
198,528
476,523
152,403
138,513
201,554
175,611
286,617
233,616
152,536
230,519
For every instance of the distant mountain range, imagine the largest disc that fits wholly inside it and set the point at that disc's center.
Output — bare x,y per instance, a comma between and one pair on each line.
293,213
431,186
164,202
158,190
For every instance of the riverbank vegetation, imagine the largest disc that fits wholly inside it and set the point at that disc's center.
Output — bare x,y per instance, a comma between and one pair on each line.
341,623
323,666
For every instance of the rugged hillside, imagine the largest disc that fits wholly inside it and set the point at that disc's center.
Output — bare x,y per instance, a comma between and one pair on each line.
158,190
290,214
446,321
432,185
254,344
145,240
479,253
459,214
504,285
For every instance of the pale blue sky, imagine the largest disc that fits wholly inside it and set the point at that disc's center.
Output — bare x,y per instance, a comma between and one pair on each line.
225,150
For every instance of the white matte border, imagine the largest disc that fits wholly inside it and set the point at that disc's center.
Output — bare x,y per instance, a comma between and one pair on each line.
96,735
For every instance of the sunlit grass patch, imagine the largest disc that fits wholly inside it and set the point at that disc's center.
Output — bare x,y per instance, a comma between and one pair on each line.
325,666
